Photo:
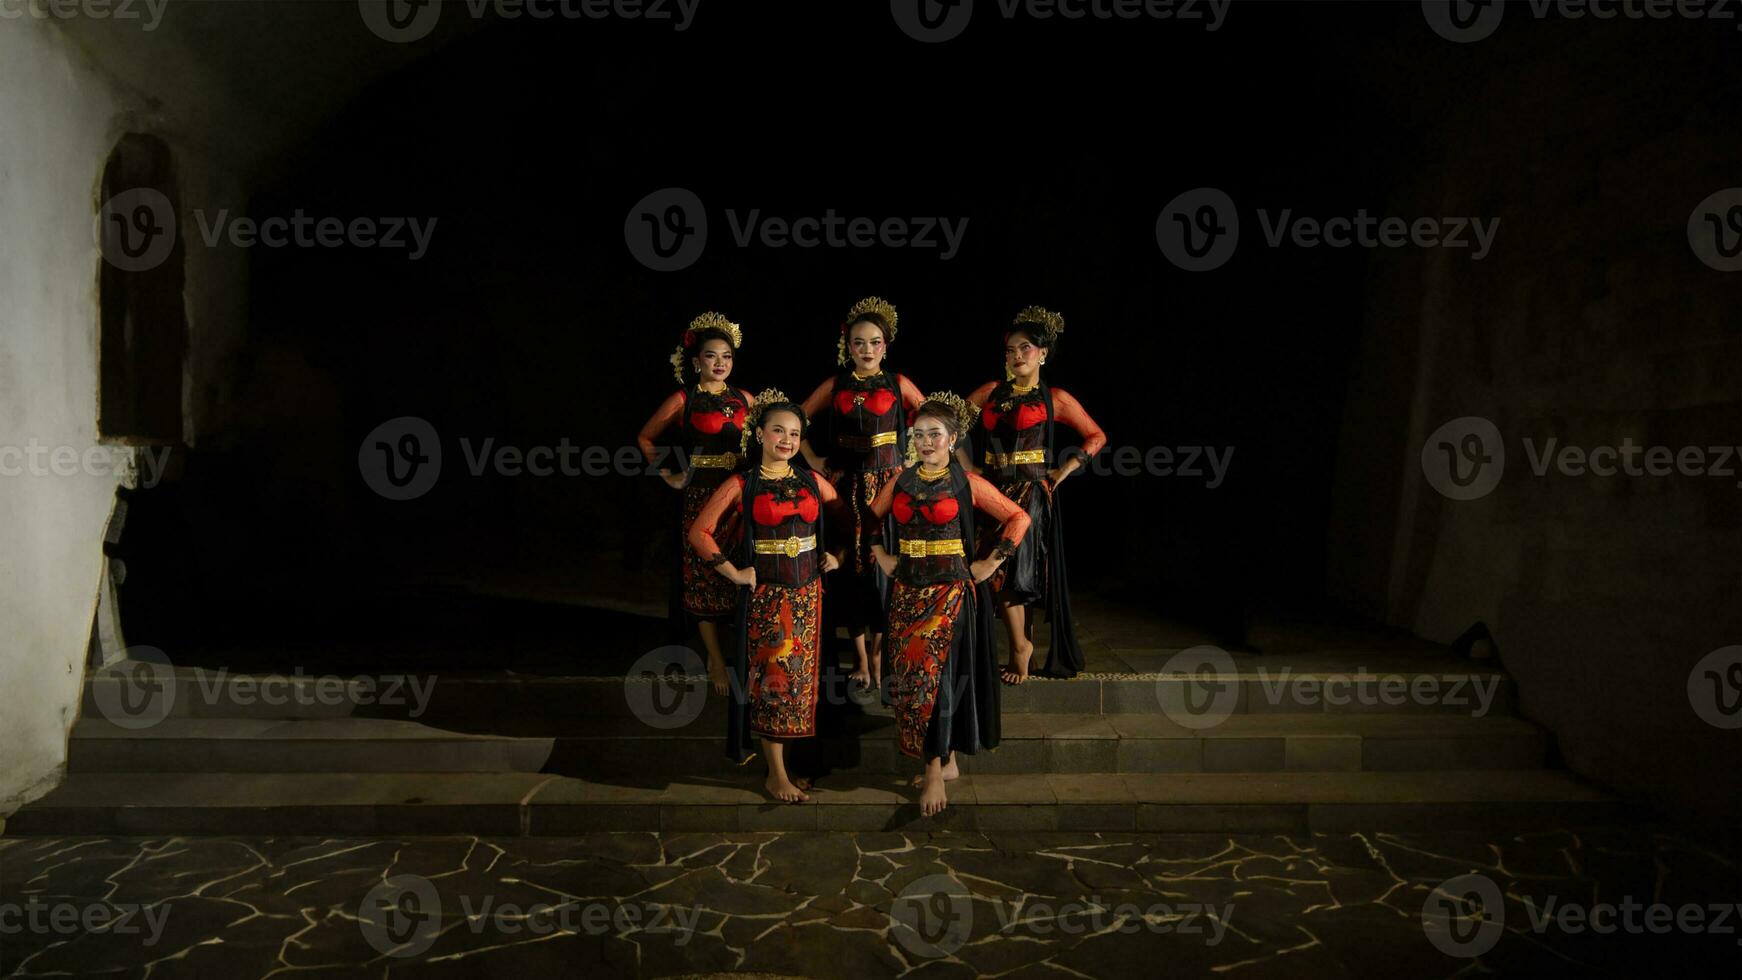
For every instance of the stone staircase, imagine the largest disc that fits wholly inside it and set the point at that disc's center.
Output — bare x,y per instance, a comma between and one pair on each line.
1299,743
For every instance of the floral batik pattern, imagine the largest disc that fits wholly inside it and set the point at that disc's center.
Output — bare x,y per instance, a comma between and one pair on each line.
784,638
862,487
922,625
706,593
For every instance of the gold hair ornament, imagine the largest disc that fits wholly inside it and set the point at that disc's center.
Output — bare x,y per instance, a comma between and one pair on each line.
1053,322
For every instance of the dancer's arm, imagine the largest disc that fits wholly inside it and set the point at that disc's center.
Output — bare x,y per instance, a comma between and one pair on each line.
835,512
1013,522
1069,411
730,494
911,399
964,451
666,415
880,507
816,403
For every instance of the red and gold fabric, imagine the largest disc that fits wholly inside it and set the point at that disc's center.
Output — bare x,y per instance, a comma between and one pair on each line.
924,621
709,425
706,593
1013,428
938,638
785,640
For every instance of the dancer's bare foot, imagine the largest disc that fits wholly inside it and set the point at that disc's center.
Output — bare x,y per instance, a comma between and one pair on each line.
782,789
932,799
862,674
950,772
1016,671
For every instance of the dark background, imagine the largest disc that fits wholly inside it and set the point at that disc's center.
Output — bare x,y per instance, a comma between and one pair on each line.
529,321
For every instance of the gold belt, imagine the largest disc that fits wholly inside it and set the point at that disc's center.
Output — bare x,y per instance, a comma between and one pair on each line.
720,461
790,547
863,443
1002,460
911,548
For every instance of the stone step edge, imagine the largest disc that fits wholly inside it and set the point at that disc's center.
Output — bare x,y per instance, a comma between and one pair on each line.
202,790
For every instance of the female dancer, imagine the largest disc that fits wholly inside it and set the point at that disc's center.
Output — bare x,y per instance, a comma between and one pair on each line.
781,561
862,412
1017,418
940,620
709,417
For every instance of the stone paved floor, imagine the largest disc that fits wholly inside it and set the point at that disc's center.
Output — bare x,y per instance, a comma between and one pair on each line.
856,905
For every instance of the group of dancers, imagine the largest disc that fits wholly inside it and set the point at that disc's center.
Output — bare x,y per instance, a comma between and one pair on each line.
892,475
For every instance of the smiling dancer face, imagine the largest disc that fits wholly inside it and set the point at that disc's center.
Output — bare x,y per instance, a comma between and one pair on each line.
781,431
867,342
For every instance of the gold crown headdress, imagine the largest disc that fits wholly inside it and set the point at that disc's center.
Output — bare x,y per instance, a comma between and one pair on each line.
707,321
870,304
1052,322
966,417
753,418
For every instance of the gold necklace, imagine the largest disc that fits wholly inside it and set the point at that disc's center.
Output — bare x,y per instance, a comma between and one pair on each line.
928,474
1021,389
702,386
866,377
783,472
